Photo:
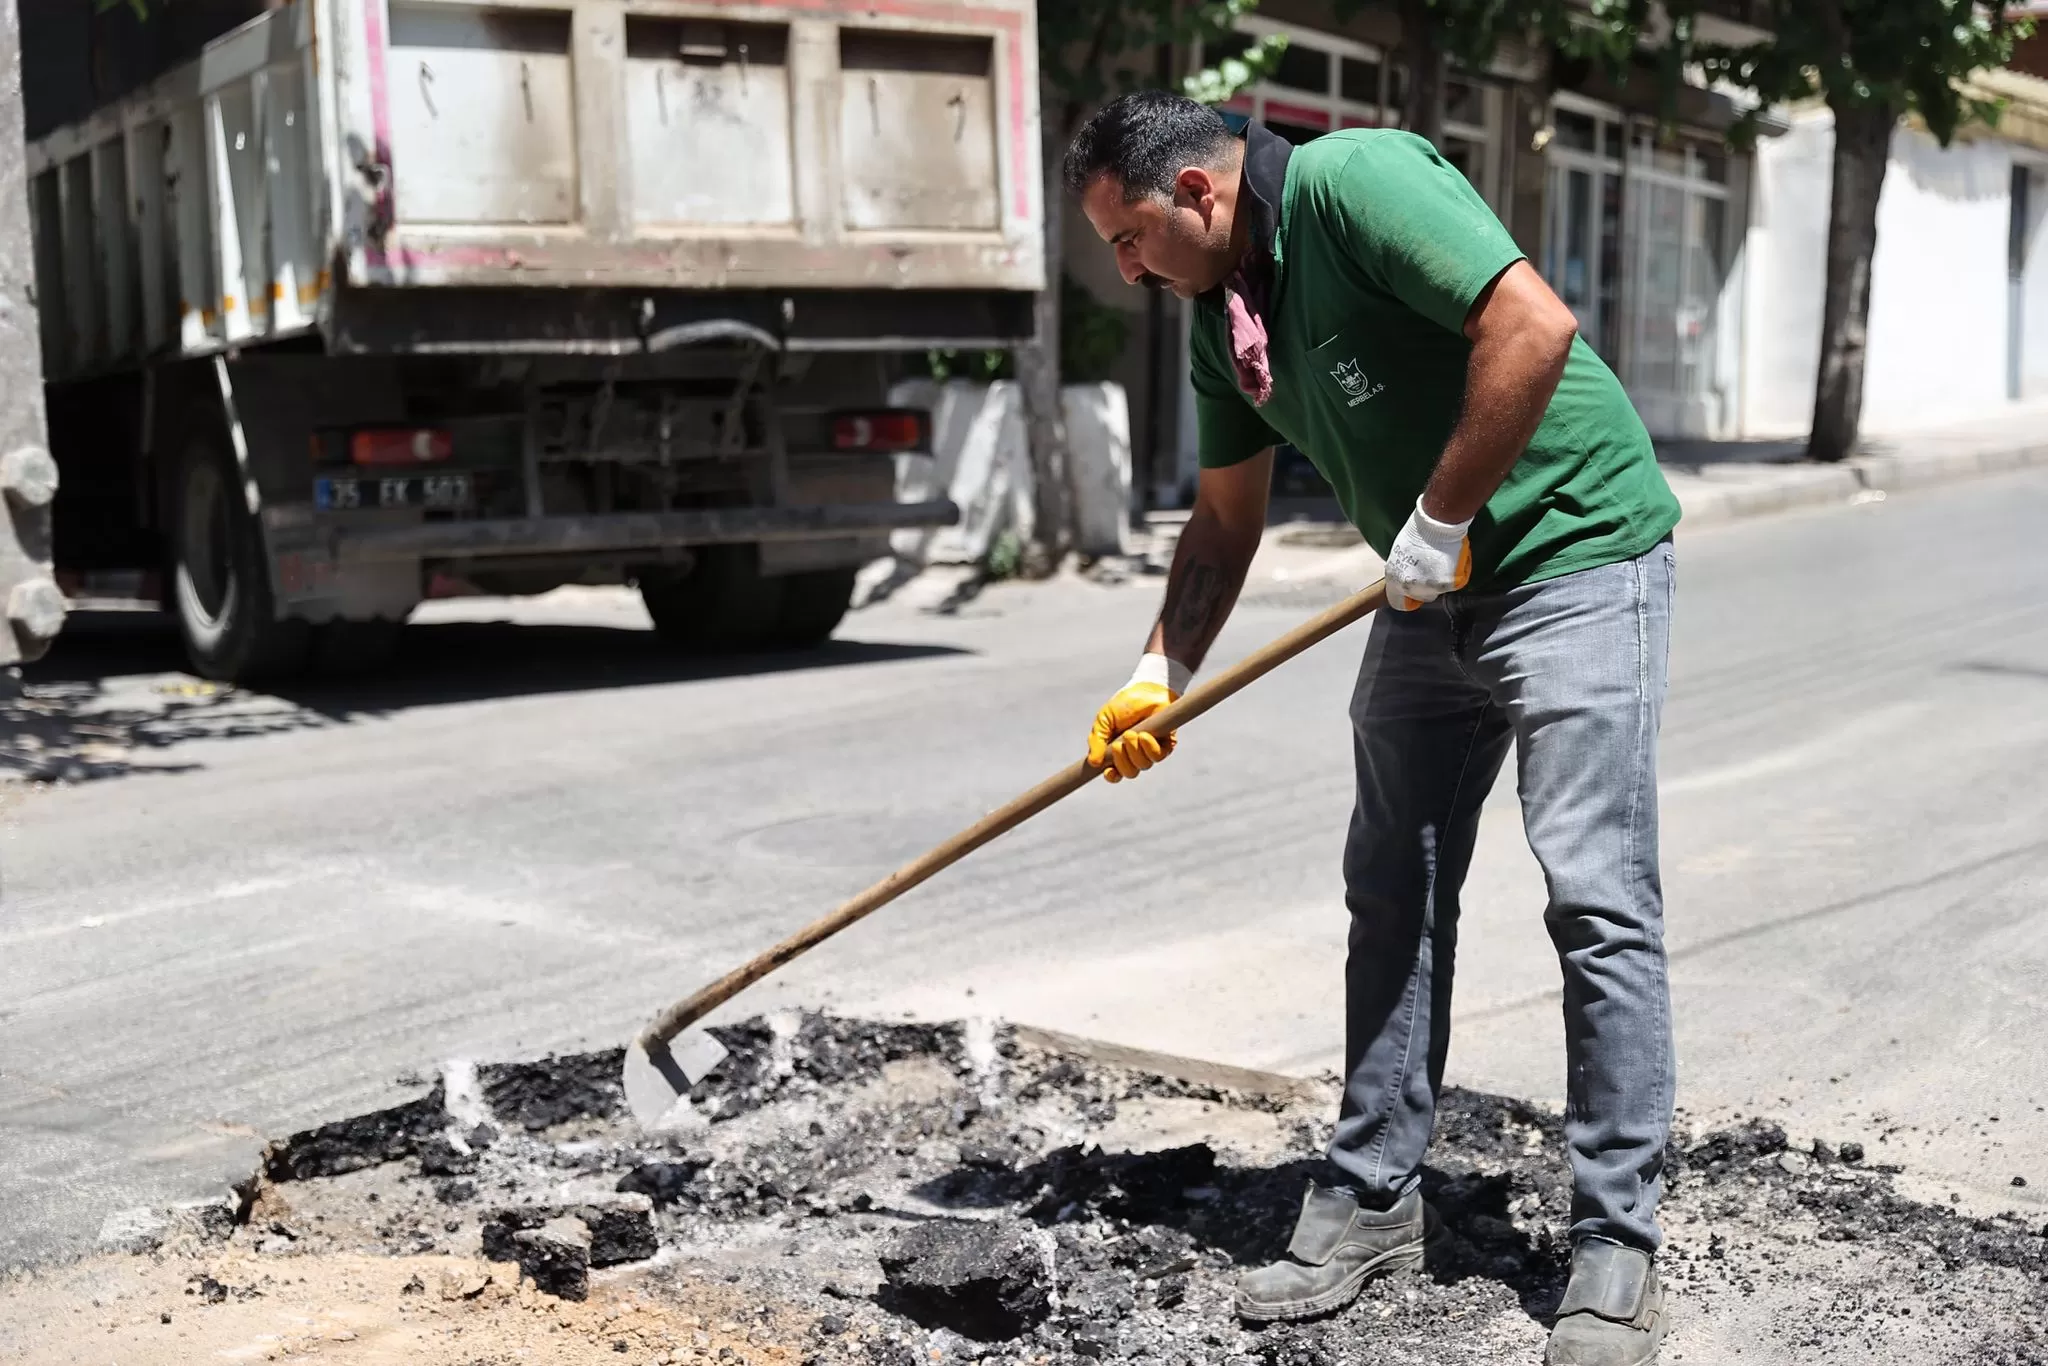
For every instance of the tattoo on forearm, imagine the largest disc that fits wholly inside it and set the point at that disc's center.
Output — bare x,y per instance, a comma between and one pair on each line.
1194,611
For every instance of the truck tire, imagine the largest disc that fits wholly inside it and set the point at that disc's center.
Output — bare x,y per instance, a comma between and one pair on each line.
220,573
722,602
813,604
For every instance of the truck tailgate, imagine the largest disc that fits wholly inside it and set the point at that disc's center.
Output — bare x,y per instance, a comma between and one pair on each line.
805,143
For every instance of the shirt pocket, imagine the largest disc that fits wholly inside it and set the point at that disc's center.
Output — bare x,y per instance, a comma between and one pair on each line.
1347,373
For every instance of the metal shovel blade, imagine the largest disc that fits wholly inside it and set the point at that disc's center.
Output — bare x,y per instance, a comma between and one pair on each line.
656,1078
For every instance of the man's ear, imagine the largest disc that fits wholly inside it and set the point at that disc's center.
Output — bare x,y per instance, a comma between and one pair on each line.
1195,188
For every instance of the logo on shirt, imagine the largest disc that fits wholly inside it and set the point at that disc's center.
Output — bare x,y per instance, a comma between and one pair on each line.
1356,385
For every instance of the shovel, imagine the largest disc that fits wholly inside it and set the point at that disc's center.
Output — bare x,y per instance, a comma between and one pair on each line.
661,1067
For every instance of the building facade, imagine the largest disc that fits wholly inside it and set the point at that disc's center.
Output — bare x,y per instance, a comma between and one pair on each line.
1959,282
1695,271
1641,235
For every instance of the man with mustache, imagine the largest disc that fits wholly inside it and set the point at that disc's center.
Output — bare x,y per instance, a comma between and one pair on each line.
1356,298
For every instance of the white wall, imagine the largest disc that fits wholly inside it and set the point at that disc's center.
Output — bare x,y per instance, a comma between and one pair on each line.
2034,310
1787,256
1939,300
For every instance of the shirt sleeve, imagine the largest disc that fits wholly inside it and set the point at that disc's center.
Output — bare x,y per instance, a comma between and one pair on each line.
1417,227
1229,429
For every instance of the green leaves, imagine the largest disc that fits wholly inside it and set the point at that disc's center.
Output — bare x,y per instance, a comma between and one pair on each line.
1090,50
1900,55
1215,84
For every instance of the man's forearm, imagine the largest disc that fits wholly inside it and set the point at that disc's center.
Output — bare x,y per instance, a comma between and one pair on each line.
1209,565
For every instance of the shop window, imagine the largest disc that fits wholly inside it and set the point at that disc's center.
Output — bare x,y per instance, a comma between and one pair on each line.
1361,81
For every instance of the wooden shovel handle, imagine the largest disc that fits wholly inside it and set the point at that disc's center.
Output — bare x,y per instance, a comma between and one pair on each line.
1066,782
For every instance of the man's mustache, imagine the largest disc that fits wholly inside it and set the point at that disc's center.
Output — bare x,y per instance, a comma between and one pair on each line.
1151,281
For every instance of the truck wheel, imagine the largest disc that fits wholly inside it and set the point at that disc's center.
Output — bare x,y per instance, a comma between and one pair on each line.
813,604
722,602
221,579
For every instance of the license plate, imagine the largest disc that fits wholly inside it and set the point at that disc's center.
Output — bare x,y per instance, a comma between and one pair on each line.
433,491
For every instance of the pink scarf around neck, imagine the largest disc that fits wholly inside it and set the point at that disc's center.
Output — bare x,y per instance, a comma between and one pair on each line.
1247,342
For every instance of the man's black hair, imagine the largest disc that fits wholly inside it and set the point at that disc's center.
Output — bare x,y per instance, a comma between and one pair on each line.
1145,139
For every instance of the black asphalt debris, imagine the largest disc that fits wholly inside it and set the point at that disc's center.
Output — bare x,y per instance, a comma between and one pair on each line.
939,1193
984,1281
540,1095
555,1256
440,1157
349,1145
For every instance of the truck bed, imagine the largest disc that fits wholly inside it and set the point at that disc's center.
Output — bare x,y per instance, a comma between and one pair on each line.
396,150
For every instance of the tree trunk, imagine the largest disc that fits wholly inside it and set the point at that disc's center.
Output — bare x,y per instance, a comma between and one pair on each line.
1863,140
1038,375
1422,51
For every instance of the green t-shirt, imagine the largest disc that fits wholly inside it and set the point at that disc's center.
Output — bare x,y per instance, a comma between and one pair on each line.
1381,250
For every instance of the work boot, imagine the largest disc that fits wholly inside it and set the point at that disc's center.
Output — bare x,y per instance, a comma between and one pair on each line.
1337,1247
1613,1309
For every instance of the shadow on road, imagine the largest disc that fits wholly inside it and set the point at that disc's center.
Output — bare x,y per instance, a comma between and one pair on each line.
113,697
1998,669
1247,1212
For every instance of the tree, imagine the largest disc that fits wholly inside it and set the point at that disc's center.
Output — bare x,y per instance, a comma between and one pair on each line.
1872,61
1435,33
1088,51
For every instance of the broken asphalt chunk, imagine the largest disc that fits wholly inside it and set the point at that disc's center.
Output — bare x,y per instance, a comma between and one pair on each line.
662,1182
349,1145
986,1281
555,1257
439,1157
621,1228
539,1095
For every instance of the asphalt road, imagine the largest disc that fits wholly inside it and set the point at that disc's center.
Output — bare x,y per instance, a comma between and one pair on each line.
248,914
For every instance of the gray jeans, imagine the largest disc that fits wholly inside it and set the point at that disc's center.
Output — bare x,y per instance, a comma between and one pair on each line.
1573,671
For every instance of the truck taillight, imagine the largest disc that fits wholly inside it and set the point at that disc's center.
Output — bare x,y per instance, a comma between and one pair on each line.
891,431
400,446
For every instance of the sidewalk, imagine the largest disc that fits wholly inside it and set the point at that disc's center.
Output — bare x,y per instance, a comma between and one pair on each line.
1308,544
1310,554
1719,481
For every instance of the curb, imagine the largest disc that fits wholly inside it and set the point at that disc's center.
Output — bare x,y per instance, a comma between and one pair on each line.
1276,1086
1792,486
1813,486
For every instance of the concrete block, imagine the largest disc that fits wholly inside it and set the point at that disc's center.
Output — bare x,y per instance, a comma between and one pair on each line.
1099,442
980,459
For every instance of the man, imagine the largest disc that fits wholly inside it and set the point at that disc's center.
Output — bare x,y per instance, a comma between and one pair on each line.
1355,298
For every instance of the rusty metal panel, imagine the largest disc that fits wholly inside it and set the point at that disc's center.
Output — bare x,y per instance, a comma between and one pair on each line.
82,311
483,115
292,198
708,119
241,207
115,249
149,157
931,92
653,144
191,219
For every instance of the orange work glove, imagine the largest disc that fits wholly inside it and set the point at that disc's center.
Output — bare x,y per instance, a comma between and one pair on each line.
1112,744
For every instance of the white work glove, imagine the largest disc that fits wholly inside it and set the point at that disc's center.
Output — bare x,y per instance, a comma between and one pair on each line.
1429,558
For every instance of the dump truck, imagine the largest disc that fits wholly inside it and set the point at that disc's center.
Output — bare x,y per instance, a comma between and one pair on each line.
348,304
